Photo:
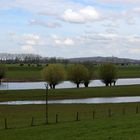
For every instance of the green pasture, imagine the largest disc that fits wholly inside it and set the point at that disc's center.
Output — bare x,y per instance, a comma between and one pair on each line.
132,71
94,122
73,121
23,73
15,72
39,94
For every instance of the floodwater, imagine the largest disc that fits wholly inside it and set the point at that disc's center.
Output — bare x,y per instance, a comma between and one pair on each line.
79,101
65,84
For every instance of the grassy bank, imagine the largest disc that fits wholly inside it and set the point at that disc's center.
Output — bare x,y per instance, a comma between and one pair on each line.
39,94
33,73
120,125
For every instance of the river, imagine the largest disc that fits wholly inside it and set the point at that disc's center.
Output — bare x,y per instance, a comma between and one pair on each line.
96,100
65,84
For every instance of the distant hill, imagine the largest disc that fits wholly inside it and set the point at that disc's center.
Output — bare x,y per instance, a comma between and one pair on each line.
100,59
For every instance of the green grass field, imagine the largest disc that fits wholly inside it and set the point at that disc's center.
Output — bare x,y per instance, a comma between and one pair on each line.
39,94
33,73
24,73
119,126
129,71
95,120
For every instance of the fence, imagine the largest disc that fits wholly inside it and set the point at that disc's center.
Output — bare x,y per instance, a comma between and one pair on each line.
6,123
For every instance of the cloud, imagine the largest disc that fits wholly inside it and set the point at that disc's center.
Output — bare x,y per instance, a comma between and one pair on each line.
134,51
134,2
88,44
134,38
13,36
83,15
136,10
68,41
62,41
31,39
109,21
48,7
69,11
44,24
106,44
28,49
30,43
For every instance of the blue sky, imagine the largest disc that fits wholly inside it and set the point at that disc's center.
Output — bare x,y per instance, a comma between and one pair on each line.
71,28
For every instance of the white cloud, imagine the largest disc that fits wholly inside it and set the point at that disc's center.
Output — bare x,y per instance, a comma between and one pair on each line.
62,41
44,24
88,44
68,41
61,9
30,43
13,36
71,16
136,10
120,39
134,38
48,7
135,2
83,15
28,49
89,13
134,51
31,39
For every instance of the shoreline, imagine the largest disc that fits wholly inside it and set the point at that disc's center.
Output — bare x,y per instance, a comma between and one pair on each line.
41,80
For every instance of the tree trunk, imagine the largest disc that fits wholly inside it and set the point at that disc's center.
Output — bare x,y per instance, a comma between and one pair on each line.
53,86
114,83
50,86
77,85
86,84
106,84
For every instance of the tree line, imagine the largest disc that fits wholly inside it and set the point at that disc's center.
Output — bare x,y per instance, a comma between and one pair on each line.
78,74
29,59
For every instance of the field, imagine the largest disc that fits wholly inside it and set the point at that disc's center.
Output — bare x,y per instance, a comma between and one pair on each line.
39,94
129,71
69,122
23,73
122,123
33,72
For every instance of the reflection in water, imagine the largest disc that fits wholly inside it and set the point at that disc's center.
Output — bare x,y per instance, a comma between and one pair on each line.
4,86
79,101
65,84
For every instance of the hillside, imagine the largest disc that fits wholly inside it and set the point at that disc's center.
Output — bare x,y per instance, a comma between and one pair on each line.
100,59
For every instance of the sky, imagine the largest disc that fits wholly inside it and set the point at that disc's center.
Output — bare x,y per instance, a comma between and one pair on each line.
71,28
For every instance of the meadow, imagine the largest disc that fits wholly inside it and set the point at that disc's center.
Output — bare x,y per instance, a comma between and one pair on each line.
69,121
122,123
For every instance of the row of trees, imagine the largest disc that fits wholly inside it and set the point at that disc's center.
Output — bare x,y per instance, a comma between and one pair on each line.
78,73
29,59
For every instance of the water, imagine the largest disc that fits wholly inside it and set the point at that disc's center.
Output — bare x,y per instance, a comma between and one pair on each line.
65,84
79,101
